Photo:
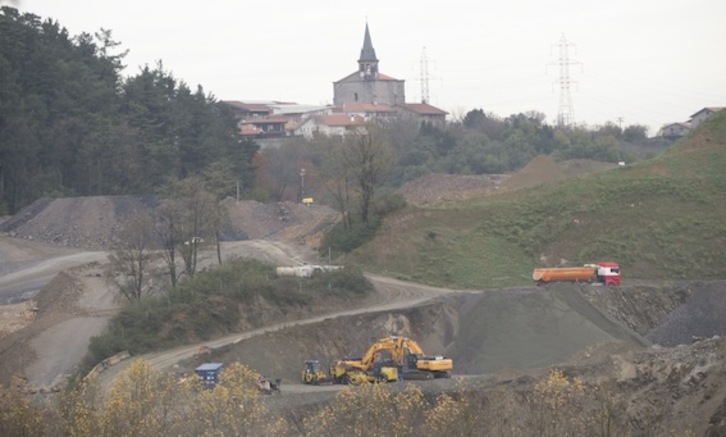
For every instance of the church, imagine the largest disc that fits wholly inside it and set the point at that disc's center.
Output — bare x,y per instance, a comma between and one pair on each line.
368,84
371,94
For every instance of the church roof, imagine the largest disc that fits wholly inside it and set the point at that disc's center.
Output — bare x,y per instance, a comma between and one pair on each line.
356,77
367,53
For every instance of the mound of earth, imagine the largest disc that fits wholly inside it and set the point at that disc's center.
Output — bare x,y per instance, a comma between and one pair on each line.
95,222
539,170
285,221
91,222
438,188
578,167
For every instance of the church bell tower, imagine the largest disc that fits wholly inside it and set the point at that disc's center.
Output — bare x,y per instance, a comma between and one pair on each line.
368,63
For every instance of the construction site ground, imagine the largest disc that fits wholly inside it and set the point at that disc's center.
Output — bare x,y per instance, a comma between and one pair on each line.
659,341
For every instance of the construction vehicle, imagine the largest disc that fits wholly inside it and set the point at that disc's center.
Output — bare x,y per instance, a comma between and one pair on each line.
390,359
268,386
603,273
312,373
209,376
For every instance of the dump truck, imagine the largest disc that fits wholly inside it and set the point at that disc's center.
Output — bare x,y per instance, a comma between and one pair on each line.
603,273
390,359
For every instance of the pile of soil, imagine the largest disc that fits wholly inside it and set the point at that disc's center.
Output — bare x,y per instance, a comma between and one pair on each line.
433,189
439,188
285,221
95,222
91,222
539,170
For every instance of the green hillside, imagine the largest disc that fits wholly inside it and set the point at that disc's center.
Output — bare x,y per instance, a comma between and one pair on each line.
661,218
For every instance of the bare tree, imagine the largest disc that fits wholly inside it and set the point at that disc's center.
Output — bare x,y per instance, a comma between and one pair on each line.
186,217
130,259
370,162
167,231
282,167
219,177
198,212
336,175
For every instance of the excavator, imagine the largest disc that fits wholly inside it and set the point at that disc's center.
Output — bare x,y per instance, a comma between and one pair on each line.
390,359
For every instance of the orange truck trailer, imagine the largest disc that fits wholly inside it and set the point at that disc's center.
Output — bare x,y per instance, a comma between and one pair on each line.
604,273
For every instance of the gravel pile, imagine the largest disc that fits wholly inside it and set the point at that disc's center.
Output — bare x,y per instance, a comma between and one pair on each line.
91,222
95,222
702,316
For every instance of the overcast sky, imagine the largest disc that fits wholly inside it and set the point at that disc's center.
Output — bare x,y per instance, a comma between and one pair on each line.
649,62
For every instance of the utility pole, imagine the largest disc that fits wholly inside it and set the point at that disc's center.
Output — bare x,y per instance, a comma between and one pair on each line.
301,192
566,112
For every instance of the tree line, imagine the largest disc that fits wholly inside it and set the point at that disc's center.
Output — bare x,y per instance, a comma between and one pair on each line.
72,125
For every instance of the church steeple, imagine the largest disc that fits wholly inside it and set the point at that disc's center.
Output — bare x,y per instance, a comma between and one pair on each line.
368,63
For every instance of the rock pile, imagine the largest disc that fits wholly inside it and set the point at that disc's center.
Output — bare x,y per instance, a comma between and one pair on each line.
95,222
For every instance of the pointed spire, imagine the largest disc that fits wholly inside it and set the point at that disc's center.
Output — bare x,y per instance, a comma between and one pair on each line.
367,53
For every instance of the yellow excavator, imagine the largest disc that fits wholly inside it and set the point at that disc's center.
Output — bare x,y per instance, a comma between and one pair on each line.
390,359
312,373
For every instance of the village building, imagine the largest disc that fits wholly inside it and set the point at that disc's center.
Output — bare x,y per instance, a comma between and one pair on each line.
675,130
701,116
363,96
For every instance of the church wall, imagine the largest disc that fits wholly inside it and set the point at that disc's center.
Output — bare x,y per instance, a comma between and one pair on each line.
382,92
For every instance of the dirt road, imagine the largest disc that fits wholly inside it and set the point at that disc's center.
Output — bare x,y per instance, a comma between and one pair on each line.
391,294
26,266
48,349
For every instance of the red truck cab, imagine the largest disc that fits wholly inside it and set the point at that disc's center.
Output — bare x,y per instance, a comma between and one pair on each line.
608,273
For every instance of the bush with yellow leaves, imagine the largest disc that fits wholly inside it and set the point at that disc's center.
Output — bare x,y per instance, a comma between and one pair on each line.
382,410
145,402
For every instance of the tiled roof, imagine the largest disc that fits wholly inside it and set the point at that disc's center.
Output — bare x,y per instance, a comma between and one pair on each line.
249,129
273,119
424,109
711,109
252,107
334,120
678,123
356,74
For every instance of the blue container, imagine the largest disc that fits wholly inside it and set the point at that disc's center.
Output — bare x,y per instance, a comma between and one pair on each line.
209,373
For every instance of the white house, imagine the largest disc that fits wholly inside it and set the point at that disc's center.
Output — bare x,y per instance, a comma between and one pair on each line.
330,125
700,116
675,130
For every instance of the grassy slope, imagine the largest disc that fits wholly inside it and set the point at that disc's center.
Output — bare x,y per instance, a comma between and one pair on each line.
661,218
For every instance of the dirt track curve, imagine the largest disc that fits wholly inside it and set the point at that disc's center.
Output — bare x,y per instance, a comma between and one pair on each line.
391,295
